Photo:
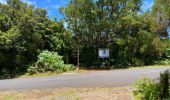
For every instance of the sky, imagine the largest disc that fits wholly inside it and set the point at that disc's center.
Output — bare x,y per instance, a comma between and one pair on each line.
52,6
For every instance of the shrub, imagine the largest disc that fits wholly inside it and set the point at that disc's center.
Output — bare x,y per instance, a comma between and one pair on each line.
148,89
163,62
49,62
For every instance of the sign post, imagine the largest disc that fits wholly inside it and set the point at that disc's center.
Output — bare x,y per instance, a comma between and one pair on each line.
104,53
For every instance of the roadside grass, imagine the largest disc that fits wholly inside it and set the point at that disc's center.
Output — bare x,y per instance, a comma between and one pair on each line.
81,70
150,66
119,93
27,75
136,96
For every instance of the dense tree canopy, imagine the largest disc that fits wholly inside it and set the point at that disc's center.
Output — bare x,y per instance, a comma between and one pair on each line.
24,32
116,25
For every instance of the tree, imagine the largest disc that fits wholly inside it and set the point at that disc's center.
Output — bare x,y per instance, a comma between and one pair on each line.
88,19
161,9
61,40
115,25
24,32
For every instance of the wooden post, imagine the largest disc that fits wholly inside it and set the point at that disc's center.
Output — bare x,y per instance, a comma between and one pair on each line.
78,58
78,53
67,58
109,57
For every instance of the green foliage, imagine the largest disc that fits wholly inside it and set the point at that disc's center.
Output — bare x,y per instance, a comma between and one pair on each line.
132,37
148,89
22,34
162,62
26,30
9,38
49,62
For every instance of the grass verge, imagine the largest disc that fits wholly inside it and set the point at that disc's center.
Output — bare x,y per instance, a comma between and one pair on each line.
121,93
150,66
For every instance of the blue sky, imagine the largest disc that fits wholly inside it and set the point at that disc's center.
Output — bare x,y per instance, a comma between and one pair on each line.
52,5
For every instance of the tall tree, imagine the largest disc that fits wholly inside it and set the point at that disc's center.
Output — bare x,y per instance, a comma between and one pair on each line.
24,31
115,25
161,9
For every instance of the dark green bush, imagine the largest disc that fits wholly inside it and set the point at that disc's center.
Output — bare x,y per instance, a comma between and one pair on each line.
164,85
49,62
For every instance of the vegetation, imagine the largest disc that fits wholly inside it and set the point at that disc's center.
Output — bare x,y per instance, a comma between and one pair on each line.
148,89
49,62
162,11
25,31
31,41
132,37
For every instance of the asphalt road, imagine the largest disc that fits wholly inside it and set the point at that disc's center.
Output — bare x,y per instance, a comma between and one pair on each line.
114,78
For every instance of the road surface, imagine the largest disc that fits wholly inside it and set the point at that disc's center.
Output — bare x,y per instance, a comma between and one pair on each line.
113,78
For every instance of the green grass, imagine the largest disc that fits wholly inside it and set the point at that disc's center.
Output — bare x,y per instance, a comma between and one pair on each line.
27,75
52,73
150,66
39,74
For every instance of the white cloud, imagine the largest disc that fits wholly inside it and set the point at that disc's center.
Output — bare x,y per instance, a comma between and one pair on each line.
3,1
30,1
57,6
65,25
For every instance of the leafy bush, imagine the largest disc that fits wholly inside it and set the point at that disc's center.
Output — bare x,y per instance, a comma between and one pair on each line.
148,89
163,62
137,62
49,62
